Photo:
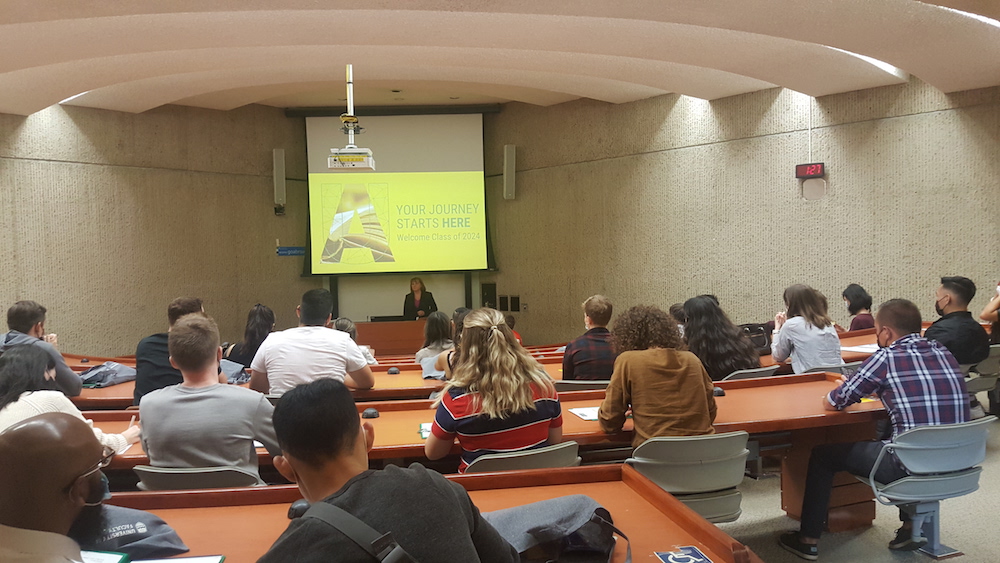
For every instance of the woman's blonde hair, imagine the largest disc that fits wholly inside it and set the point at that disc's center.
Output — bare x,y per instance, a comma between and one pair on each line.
495,367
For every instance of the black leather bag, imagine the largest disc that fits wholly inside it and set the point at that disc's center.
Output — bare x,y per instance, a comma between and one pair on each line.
759,335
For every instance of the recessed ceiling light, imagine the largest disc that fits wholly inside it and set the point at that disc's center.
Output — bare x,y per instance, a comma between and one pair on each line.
452,97
73,97
395,91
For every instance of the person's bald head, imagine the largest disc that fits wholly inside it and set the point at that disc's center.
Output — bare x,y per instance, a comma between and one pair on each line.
43,461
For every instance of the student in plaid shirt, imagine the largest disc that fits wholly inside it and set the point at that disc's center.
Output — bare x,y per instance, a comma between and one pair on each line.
920,384
591,356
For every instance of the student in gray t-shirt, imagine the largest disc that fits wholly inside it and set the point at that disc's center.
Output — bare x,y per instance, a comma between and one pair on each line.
203,422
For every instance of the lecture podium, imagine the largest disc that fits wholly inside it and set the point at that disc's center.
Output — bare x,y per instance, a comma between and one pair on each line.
243,523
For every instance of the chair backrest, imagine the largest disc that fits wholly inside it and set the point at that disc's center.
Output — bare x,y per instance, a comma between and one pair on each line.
693,464
175,478
581,384
563,454
943,448
991,365
845,369
750,373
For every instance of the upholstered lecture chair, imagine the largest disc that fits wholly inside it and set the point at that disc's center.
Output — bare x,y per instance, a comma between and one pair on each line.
751,373
563,454
700,471
943,462
172,478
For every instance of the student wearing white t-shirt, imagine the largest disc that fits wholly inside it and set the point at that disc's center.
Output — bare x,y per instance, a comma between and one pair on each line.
309,351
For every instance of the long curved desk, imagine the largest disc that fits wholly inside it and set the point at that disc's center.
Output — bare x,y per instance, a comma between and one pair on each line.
652,519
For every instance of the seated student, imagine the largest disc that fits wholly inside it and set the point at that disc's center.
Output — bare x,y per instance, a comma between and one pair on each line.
324,449
437,337
804,331
51,466
511,321
919,383
591,355
309,351
26,321
344,324
677,313
203,422
27,377
152,360
667,389
446,361
499,399
260,323
859,304
990,314
720,345
956,330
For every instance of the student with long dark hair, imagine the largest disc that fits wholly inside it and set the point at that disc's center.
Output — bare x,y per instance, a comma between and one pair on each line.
859,304
437,336
804,331
260,323
446,361
720,345
28,388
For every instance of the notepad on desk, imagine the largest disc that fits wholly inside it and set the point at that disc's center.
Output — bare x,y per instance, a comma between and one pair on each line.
425,430
586,413
863,349
202,559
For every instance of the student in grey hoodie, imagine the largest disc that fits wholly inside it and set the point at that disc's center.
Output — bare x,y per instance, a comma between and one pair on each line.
26,321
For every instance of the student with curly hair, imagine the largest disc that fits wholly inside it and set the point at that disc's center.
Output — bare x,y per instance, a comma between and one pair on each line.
720,345
499,398
667,389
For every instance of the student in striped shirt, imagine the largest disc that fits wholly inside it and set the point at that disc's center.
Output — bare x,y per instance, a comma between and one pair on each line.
499,399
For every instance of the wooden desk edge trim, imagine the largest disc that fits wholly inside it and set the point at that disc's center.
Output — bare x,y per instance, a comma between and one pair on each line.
707,533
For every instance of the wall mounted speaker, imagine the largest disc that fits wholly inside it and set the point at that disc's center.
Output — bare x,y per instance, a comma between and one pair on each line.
813,189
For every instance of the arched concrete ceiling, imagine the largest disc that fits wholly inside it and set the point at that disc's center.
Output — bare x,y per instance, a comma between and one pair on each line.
134,55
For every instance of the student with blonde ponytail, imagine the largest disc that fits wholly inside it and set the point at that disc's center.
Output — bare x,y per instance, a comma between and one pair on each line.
499,399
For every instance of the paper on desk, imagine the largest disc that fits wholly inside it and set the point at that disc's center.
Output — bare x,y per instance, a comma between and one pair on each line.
102,557
586,413
257,444
204,559
863,349
425,429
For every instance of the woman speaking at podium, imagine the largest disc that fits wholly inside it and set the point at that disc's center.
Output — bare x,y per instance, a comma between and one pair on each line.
419,302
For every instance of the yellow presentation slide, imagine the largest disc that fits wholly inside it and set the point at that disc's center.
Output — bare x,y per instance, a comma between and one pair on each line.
397,222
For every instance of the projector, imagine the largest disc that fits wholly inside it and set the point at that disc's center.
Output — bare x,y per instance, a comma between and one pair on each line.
351,158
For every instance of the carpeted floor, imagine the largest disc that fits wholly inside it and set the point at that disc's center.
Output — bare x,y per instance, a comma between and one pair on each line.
966,523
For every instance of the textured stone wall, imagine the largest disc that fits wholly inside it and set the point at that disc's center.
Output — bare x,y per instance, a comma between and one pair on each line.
663,199
108,216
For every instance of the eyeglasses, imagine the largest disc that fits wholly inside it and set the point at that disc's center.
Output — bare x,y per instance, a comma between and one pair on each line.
106,457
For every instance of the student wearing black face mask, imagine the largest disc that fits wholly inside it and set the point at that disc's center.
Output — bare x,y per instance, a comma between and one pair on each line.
956,329
51,465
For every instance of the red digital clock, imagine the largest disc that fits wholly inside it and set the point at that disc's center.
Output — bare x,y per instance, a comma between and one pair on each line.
814,170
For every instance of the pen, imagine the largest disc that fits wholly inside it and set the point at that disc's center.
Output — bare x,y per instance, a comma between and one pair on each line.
131,423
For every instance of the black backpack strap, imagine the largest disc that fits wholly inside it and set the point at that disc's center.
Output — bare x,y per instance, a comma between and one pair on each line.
380,546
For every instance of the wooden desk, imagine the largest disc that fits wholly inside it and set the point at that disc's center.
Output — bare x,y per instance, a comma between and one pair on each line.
254,518
76,363
393,337
407,384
